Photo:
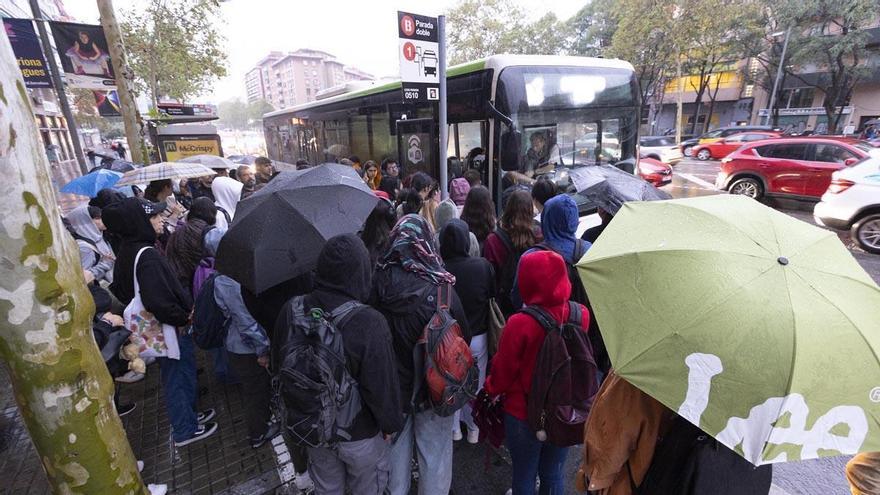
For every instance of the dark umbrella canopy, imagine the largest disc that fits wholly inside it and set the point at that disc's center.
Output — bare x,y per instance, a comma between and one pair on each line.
279,231
609,188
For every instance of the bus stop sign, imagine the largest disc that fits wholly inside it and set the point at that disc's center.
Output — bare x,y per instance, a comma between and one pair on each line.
419,55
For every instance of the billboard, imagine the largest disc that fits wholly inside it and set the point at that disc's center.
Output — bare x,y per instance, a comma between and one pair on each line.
107,103
28,53
85,59
173,148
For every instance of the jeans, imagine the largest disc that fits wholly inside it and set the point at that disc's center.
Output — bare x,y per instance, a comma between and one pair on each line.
256,392
362,466
480,351
180,389
532,458
432,437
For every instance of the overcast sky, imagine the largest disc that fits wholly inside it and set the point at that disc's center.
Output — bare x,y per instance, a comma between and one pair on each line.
362,34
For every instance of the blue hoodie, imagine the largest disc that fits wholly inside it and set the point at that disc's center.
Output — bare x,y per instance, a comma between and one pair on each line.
559,223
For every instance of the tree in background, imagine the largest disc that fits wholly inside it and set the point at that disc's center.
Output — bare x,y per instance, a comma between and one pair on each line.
240,115
257,109
175,49
593,28
827,47
642,37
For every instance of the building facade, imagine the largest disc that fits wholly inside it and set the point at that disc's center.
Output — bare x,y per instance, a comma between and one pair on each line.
293,78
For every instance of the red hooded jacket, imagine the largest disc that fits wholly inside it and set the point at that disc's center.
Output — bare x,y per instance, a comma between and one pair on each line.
543,282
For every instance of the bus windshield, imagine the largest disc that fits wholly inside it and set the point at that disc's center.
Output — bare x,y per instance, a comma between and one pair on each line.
570,116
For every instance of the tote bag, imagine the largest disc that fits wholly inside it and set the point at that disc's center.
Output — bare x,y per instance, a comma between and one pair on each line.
153,338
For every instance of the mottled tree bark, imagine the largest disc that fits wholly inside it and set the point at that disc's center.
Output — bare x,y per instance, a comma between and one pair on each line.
60,382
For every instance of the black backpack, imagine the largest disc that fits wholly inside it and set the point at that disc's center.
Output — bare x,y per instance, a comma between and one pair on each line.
209,323
564,381
687,461
507,274
320,395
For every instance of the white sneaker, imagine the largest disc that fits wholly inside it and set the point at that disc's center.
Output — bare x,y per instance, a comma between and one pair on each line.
130,377
456,434
473,436
157,489
303,481
140,465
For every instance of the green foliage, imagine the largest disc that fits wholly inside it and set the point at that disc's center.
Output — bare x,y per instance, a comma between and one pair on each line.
827,36
240,115
593,28
174,47
257,108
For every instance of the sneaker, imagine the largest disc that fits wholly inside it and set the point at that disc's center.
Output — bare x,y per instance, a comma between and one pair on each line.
271,432
202,432
456,434
304,482
140,465
123,409
473,436
157,489
204,416
130,377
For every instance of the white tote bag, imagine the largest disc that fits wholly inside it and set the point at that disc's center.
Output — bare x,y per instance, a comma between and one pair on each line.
153,338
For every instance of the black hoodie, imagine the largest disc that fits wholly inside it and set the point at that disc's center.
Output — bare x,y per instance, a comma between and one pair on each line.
474,277
343,274
161,292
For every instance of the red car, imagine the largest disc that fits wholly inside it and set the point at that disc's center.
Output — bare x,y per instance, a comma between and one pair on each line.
654,171
721,148
794,167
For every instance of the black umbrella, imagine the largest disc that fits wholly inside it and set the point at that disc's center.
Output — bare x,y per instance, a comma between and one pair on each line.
279,231
609,188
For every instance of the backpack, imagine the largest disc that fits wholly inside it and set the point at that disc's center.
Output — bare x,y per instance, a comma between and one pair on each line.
450,372
578,293
209,323
320,395
564,381
507,274
204,269
687,461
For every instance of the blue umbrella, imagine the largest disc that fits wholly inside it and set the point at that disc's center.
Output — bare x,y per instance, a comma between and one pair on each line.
91,183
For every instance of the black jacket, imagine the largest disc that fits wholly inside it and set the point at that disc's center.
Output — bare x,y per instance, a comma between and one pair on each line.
403,298
474,277
343,275
161,292
266,306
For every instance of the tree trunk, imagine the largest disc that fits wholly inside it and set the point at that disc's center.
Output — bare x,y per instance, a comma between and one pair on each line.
124,78
61,384
699,100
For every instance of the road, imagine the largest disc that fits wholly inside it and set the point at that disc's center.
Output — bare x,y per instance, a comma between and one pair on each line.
822,476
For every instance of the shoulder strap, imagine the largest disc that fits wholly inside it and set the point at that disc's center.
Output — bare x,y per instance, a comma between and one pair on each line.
225,214
579,250
574,314
137,288
444,303
343,313
542,317
505,239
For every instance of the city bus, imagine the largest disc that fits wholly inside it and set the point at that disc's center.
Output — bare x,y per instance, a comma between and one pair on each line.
499,109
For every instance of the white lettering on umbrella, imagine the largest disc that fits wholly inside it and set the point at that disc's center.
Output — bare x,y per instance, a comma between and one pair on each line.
758,429
702,367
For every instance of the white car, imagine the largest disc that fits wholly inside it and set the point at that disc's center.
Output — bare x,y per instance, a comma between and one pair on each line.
852,202
661,148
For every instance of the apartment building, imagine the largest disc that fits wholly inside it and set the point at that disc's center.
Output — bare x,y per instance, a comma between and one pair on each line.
293,78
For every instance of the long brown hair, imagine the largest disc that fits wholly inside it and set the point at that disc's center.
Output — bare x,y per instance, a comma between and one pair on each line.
517,220
479,212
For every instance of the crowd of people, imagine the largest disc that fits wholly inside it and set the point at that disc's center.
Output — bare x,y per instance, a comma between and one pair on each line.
381,288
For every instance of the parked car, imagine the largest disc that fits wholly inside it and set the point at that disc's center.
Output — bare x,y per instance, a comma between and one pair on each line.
660,148
687,147
852,202
723,147
654,171
794,167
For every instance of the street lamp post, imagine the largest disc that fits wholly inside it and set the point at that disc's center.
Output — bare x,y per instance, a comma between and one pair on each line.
778,74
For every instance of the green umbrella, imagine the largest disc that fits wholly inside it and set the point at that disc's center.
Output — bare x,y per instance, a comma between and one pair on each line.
758,328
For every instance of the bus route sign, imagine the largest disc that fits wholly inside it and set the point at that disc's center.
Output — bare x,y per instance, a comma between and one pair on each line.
419,55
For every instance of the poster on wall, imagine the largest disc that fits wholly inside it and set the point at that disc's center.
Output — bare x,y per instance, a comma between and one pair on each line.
85,59
28,53
107,103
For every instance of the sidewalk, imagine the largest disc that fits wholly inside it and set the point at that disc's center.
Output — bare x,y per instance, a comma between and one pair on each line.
222,464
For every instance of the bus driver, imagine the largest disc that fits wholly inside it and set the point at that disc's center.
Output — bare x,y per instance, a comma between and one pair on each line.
540,158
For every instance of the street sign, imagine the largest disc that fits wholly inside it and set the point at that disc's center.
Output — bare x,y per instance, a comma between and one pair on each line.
419,54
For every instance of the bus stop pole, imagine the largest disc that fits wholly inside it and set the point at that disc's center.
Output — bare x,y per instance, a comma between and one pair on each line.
444,128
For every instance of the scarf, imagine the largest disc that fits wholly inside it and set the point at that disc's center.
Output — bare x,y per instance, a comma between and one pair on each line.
413,249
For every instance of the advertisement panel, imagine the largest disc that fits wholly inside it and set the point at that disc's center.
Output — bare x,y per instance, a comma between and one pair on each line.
27,50
107,103
173,148
85,60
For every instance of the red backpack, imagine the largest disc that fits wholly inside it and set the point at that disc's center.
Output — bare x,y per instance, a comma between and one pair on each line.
564,381
451,374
